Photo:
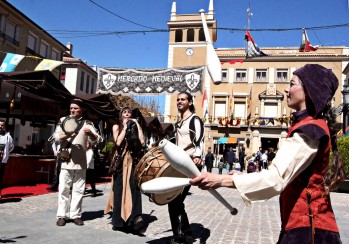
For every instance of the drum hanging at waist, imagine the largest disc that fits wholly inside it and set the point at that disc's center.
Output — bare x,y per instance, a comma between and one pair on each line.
154,165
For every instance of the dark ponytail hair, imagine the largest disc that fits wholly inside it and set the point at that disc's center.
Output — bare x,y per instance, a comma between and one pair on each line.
190,99
336,173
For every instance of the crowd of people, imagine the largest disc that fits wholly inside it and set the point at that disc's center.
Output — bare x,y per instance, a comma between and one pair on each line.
296,171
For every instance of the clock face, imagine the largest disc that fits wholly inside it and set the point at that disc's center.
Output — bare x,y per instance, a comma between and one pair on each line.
189,51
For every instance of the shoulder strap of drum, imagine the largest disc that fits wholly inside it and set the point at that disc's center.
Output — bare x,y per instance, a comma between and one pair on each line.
80,125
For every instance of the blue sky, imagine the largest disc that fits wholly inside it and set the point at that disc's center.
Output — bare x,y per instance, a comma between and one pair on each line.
149,50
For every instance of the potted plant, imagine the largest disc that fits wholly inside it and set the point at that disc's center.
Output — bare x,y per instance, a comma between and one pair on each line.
343,145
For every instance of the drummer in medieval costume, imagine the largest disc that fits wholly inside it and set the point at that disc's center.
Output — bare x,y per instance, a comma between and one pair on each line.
127,203
73,132
189,135
298,170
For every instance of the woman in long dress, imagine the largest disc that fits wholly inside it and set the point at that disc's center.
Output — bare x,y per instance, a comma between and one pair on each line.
127,211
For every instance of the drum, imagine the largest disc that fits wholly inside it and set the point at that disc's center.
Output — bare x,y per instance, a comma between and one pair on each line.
71,125
153,165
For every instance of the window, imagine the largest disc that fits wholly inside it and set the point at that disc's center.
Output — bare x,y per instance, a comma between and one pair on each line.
55,55
261,75
1,23
82,81
270,110
224,75
179,36
31,44
241,75
281,75
87,84
220,109
92,86
239,110
43,49
12,33
202,37
190,35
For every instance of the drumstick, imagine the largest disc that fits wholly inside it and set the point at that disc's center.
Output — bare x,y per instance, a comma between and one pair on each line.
181,161
164,184
214,66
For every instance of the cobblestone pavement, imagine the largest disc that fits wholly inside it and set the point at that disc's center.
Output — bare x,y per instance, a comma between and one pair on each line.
32,220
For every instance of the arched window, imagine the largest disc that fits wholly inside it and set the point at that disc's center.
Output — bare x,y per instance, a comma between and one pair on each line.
190,35
179,36
202,35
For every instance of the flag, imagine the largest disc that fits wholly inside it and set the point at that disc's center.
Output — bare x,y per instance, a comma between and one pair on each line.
231,103
48,64
10,62
305,45
249,97
204,104
252,50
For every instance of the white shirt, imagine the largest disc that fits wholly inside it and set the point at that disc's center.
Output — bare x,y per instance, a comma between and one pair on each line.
90,159
294,155
6,139
77,148
264,157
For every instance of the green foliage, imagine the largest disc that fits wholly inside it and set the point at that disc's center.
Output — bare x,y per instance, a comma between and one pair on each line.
343,148
108,148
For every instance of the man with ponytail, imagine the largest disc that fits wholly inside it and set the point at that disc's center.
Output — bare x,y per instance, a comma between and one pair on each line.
298,170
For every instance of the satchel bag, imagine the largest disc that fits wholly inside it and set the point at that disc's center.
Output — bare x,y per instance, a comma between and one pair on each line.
115,165
64,154
117,160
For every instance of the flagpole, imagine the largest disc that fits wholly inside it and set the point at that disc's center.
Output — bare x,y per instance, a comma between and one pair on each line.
248,16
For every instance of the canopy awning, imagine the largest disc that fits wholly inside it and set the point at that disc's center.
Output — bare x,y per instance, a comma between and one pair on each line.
227,140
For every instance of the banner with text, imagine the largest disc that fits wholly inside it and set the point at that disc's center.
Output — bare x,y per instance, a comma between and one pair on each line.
150,81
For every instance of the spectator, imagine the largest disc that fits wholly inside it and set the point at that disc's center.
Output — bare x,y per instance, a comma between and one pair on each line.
209,158
264,160
242,156
271,155
90,172
230,159
221,165
6,146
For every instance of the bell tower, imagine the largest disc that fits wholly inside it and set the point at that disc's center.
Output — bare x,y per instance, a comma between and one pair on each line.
188,47
187,43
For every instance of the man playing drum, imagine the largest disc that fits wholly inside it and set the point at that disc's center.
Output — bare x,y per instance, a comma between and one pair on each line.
73,132
189,135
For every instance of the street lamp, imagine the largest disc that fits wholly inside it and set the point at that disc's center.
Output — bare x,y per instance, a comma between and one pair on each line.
345,93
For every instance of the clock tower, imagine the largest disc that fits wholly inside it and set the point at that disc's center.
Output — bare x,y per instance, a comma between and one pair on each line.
188,47
187,43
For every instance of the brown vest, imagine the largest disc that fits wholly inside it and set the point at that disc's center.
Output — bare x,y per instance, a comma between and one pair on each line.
303,199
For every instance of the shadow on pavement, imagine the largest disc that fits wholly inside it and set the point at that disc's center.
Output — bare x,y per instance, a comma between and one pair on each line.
9,240
200,235
92,215
12,199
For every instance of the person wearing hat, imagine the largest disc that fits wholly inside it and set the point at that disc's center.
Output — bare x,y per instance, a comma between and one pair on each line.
73,165
298,170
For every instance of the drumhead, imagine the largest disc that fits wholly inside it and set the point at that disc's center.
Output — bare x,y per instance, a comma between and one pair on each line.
165,198
70,125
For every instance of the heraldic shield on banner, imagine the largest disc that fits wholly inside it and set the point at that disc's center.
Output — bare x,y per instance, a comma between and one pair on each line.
108,80
192,80
150,81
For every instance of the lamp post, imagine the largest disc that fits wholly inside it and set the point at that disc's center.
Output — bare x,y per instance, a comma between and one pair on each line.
345,93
